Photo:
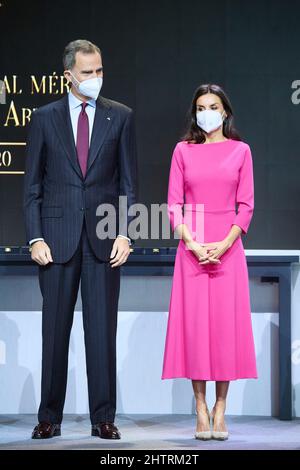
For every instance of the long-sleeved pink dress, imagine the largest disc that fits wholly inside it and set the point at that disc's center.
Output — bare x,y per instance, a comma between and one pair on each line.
209,333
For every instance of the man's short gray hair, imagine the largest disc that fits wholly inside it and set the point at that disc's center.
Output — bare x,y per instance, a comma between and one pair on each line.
80,45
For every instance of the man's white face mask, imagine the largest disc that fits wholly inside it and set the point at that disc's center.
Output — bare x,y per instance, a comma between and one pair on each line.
90,87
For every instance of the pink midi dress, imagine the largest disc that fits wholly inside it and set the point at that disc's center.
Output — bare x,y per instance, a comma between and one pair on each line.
209,332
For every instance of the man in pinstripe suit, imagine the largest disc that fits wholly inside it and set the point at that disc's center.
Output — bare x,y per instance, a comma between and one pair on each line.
81,153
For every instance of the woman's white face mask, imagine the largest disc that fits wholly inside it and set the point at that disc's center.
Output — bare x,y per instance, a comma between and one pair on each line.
90,87
209,119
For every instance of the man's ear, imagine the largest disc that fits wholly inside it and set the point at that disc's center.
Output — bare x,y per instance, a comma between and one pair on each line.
67,77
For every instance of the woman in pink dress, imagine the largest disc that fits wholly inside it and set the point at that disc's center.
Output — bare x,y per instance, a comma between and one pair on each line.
209,334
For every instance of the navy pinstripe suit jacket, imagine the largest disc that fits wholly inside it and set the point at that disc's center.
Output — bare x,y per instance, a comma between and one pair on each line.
57,197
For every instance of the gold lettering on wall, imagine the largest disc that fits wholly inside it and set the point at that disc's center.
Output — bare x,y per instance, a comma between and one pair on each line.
16,116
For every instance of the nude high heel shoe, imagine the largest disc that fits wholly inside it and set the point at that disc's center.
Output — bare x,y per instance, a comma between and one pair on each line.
218,435
203,435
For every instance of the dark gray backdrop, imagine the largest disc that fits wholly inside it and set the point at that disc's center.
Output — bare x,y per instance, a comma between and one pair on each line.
155,53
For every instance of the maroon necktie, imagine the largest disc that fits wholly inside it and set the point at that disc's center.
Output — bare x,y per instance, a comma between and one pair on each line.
82,143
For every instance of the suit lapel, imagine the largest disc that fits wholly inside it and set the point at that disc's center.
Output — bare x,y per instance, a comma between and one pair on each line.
63,126
102,122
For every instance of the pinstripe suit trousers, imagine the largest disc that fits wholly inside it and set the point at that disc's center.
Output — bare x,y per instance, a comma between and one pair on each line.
100,286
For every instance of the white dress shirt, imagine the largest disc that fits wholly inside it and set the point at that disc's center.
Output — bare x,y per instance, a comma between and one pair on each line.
75,109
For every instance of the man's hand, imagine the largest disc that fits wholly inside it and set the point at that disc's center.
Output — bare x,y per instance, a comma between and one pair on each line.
216,250
120,252
41,253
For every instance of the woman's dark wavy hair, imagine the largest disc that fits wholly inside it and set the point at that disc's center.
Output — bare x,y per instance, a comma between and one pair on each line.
193,131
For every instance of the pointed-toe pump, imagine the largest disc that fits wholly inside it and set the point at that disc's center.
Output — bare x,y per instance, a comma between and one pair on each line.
203,435
218,435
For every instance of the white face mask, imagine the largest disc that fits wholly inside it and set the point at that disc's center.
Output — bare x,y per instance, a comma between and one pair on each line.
209,119
90,87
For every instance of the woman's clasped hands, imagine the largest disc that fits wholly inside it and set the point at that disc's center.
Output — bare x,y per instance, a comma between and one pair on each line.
208,252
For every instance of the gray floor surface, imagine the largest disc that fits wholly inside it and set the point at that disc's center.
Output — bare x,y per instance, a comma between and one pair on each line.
169,432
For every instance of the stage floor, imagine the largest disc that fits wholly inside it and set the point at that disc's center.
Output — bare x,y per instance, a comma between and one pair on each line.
153,432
